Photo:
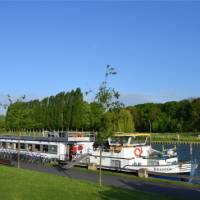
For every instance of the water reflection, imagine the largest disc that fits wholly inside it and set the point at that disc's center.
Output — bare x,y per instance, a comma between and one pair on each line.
186,152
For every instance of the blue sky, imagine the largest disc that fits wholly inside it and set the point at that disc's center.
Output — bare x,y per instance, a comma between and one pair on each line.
48,47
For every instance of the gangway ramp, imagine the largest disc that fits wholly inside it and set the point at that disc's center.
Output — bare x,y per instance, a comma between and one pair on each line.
71,164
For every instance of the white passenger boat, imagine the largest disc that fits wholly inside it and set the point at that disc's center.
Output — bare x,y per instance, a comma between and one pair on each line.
133,151
56,149
123,152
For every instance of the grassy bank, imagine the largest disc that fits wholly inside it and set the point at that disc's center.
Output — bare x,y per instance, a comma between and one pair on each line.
18,184
175,137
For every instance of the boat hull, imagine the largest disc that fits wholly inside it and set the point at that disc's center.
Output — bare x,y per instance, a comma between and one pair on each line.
124,164
180,168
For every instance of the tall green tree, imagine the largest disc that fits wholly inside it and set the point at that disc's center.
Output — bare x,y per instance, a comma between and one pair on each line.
123,121
97,111
108,98
2,123
77,109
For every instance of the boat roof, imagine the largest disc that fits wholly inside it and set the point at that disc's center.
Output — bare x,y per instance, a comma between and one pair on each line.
119,134
40,139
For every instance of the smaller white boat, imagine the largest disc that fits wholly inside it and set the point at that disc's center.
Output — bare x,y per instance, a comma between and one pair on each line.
133,151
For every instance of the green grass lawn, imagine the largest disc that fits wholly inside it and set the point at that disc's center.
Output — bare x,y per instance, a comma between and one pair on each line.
183,137
19,184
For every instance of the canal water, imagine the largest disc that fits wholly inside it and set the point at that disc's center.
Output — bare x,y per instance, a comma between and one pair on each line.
186,152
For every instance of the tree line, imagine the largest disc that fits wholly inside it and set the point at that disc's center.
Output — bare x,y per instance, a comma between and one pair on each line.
65,111
182,116
69,111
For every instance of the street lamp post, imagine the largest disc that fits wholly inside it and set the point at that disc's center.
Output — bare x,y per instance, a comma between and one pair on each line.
149,125
18,153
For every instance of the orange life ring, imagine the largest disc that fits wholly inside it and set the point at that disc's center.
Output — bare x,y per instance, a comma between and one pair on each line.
138,152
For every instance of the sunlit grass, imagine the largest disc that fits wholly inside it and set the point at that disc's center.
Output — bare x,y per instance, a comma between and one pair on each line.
183,137
18,184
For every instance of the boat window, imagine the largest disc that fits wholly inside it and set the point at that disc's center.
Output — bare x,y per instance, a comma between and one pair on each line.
4,145
30,147
138,140
116,163
45,148
22,146
9,145
37,147
53,149
119,140
14,146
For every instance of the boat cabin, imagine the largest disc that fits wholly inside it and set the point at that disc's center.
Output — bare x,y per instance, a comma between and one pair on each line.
129,139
